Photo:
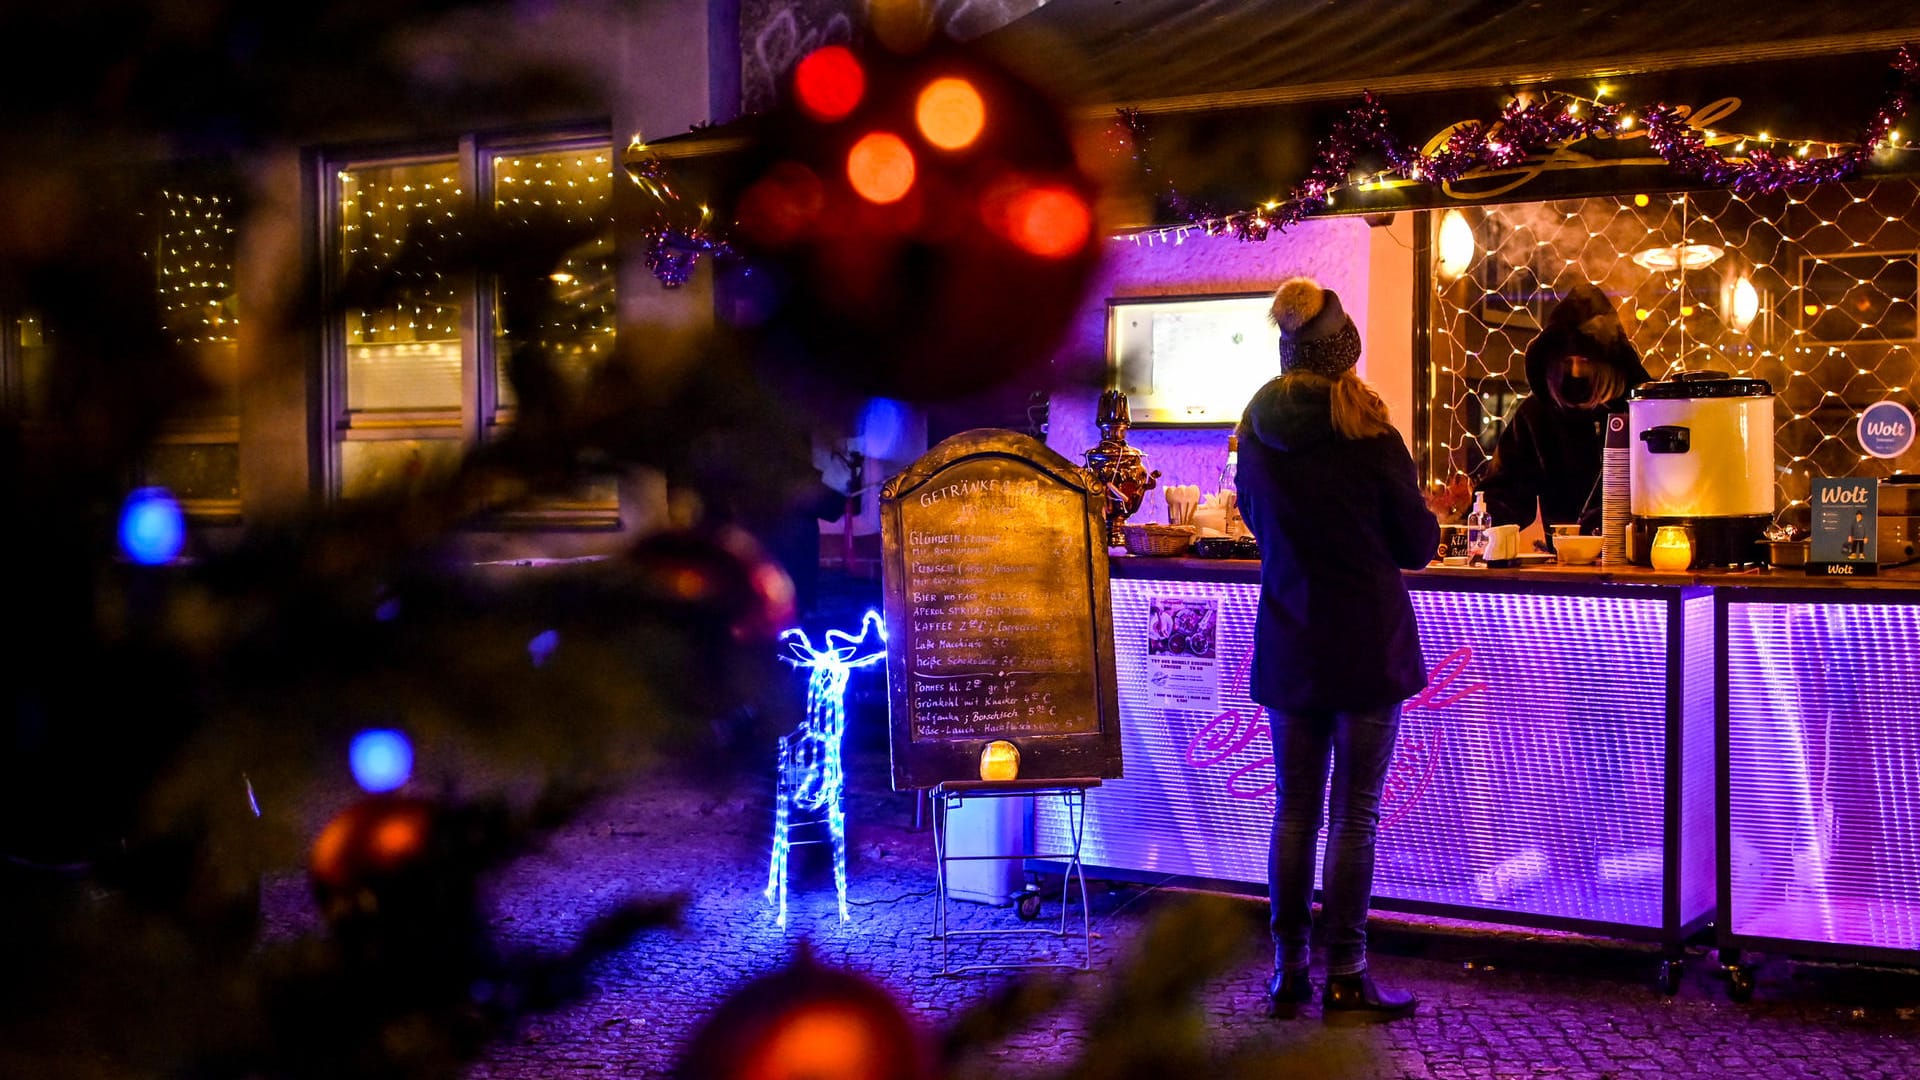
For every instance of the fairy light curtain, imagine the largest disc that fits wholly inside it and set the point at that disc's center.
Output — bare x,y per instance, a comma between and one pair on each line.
398,221
566,188
1812,288
193,263
192,242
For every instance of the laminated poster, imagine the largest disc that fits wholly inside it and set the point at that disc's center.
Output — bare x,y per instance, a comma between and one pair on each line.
1183,653
1845,527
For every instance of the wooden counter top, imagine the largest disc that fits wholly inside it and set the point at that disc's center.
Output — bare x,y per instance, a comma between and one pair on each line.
1903,579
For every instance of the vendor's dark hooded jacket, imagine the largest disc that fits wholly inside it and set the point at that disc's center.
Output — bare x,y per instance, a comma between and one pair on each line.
1552,453
1336,519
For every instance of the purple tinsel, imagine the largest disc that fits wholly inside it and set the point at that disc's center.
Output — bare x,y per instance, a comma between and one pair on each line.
1765,171
1523,129
673,248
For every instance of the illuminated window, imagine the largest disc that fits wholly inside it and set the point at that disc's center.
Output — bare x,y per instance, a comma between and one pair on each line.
425,353
563,189
186,239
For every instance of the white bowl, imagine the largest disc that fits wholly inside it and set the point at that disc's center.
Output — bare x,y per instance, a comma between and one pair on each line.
1577,550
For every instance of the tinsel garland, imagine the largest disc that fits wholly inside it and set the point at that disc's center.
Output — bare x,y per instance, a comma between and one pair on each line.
674,243
1524,128
1764,170
676,238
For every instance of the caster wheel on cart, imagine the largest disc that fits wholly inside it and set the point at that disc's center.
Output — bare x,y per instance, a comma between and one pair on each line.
1740,983
1028,907
1670,972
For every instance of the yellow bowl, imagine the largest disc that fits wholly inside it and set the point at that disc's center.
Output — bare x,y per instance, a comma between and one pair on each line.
1577,550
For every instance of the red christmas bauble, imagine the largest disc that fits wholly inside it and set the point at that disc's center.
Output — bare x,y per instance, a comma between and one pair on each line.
809,1022
926,219
371,847
717,576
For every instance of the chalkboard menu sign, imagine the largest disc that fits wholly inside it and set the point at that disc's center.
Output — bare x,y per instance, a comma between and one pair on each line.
998,616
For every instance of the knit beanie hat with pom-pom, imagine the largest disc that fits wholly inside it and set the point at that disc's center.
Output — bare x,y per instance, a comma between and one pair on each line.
1315,333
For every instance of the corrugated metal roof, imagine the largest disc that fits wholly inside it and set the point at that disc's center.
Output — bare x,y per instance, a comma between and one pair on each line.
1175,55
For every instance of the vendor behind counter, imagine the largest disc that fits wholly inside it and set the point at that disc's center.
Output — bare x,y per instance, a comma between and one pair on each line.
1579,367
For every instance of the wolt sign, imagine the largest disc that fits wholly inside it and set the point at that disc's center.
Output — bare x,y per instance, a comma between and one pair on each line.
1885,429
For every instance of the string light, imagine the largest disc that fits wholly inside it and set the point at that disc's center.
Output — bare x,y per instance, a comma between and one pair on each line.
811,778
421,209
193,260
1527,125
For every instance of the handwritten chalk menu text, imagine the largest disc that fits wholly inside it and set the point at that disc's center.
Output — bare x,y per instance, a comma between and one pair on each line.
995,575
984,662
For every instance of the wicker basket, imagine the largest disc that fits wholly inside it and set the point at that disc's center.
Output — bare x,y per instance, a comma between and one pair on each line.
1152,539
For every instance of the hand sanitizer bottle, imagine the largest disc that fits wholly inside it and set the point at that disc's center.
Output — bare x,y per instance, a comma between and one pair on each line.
1229,492
1478,522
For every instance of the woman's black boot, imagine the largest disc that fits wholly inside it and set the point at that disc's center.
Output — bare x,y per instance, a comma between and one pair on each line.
1354,999
1287,991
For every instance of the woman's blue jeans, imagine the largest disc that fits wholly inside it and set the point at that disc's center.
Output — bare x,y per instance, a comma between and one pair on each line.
1361,746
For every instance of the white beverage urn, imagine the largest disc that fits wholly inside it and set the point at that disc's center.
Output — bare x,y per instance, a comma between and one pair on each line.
1702,458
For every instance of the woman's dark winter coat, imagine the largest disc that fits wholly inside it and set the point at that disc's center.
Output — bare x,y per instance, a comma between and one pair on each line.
1336,519
1549,452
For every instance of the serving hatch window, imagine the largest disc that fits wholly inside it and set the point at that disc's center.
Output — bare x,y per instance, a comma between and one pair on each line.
1191,359
1813,289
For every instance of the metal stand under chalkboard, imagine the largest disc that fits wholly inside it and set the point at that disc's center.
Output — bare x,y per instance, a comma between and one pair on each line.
1072,793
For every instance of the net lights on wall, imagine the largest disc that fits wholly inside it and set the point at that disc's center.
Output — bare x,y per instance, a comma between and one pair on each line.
1811,288
810,778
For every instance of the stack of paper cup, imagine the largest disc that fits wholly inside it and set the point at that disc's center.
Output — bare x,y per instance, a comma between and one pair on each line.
1616,491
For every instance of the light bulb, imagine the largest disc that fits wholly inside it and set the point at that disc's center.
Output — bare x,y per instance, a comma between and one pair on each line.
1746,303
1457,245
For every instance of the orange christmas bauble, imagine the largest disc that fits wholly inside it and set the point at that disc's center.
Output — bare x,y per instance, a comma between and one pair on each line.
376,840
809,1022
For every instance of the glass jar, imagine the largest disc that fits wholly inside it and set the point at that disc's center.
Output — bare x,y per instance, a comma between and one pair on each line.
1672,548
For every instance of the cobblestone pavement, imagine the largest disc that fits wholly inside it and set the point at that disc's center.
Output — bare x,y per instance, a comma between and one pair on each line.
1494,1003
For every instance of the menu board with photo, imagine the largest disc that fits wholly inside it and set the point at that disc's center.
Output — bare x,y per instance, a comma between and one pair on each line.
1183,658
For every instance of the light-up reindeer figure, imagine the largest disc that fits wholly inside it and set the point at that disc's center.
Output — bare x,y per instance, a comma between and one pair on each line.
810,777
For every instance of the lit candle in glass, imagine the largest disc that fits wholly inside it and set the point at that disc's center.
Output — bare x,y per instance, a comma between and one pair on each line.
1672,548
1000,760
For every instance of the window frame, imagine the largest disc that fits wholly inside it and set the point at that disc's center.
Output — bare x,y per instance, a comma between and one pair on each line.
480,415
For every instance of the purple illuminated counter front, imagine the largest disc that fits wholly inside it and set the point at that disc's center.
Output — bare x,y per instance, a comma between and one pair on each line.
1557,771
1821,741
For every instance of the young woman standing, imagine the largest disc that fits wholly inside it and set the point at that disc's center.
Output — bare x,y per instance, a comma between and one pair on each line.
1330,492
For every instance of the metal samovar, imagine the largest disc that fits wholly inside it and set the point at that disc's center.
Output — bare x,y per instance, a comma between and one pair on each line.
1117,467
